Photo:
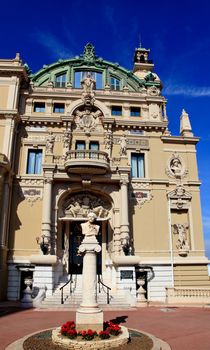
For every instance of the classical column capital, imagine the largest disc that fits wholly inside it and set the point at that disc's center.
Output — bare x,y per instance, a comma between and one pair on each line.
124,180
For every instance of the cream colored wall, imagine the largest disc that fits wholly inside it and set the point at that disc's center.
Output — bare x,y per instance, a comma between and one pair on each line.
150,226
1,135
25,225
4,91
191,276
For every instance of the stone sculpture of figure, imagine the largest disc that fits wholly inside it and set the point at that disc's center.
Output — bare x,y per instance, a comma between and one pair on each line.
89,228
50,143
108,140
123,146
88,84
67,138
176,166
182,240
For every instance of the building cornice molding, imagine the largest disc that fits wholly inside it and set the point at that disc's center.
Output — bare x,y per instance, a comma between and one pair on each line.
180,139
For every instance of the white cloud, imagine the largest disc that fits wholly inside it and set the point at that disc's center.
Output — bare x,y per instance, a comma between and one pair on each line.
54,46
191,91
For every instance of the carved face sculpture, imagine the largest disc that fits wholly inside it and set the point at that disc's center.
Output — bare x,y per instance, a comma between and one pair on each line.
91,217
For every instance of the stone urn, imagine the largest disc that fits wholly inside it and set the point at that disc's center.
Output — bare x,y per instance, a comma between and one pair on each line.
141,299
27,300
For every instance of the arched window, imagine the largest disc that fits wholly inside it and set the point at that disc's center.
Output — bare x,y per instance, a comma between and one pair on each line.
80,75
114,83
60,81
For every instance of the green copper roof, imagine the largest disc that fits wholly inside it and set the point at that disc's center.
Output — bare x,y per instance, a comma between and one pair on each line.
89,61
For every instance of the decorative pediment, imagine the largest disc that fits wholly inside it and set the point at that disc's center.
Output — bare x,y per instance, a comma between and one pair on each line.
179,197
80,205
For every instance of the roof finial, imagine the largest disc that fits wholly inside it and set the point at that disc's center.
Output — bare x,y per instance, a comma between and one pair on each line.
140,43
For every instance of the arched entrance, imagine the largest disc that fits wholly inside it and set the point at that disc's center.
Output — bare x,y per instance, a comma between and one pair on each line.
73,211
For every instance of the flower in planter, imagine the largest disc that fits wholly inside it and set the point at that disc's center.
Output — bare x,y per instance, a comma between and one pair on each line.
89,334
72,333
113,328
69,325
104,335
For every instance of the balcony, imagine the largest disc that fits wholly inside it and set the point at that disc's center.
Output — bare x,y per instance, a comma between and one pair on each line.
86,162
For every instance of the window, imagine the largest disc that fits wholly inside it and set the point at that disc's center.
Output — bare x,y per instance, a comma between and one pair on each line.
94,145
135,112
60,81
114,84
80,75
116,110
58,108
80,146
39,107
34,163
137,165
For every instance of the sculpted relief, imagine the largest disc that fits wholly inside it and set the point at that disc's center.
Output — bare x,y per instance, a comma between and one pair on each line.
87,119
176,167
80,205
182,243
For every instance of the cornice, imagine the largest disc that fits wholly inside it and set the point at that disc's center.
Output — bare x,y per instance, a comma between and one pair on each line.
180,139
43,119
141,124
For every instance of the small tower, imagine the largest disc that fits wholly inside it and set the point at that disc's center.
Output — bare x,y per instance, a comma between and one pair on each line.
185,126
142,65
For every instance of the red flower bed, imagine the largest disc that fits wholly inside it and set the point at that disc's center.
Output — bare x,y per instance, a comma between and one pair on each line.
68,329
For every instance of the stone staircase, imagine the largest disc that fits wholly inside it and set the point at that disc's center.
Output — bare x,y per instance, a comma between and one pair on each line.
72,300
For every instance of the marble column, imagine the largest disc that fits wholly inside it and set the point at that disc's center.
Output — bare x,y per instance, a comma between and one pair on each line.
46,210
89,315
124,226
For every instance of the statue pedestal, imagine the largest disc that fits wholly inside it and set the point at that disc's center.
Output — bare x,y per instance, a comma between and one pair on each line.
89,315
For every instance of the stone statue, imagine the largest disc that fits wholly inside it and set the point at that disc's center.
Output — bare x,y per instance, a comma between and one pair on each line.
50,143
123,146
67,138
182,243
89,228
88,84
176,166
108,140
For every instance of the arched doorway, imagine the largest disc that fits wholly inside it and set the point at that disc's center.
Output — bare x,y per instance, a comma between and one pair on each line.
74,209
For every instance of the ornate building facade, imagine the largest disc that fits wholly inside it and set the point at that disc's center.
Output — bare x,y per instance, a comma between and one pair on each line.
86,135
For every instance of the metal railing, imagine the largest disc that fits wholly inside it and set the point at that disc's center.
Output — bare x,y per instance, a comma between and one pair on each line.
102,285
62,288
87,154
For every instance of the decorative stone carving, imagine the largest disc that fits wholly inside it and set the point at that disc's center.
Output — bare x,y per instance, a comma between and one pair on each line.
140,185
89,228
176,167
50,140
141,197
180,198
153,91
123,146
182,244
87,119
32,195
88,84
79,206
67,139
108,140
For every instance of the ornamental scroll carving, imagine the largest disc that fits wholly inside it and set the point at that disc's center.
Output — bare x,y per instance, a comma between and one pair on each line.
182,243
80,205
88,119
176,167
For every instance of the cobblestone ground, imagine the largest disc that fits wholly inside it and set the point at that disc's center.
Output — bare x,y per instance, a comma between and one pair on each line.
183,328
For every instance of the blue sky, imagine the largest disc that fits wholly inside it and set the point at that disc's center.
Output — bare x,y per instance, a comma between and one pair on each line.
177,32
